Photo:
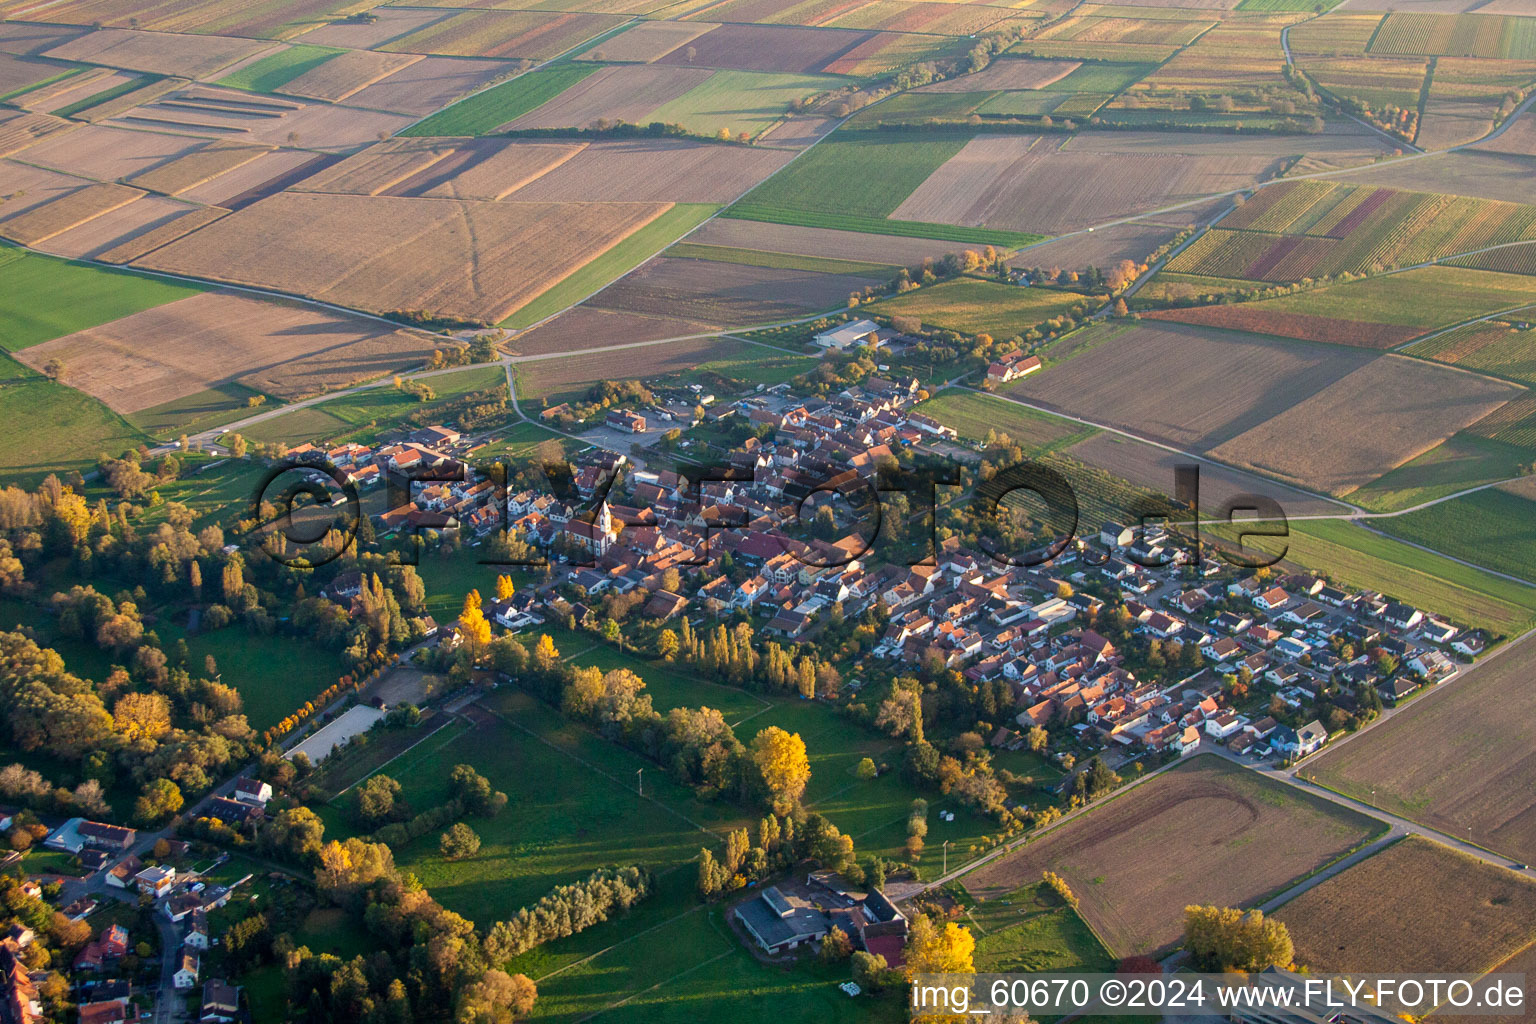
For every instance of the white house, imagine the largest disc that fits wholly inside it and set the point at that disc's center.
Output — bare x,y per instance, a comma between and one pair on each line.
253,791
186,975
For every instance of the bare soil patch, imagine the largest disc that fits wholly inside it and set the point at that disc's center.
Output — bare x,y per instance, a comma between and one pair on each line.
347,73
1024,183
1187,386
258,178
378,168
655,170
618,94
1008,73
1448,762
429,84
229,113
1207,831
129,249
765,48
797,131
43,222
479,261
390,24
648,41
20,130
159,53
75,88
20,72
1151,466
586,327
283,348
1490,175
197,167
726,294
494,168
118,227
547,376
1103,248
1385,413
23,187
108,153
1415,907
29,40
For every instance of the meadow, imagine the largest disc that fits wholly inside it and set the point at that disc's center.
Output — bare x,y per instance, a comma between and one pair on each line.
80,296
275,675
973,306
1463,460
1031,930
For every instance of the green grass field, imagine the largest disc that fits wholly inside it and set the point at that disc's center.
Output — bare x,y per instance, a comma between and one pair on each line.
1360,558
833,186
620,260
275,675
196,412
79,296
1491,528
121,89
1429,297
56,428
974,415
1103,77
740,101
972,306
271,73
1031,930
752,365
1463,460
367,414
779,260
484,112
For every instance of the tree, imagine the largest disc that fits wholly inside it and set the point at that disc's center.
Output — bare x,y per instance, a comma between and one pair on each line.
496,998
375,801
1039,739
934,950
159,799
504,587
836,946
712,873
1227,939
458,842
472,625
865,770
870,971
142,716
782,763
667,645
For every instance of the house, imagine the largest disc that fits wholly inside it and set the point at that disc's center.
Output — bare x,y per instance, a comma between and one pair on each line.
1222,726
1402,616
1011,367
1300,742
780,923
197,931
1432,665
221,1002
155,882
625,420
1113,535
104,1011
233,812
253,791
1271,600
186,973
859,332
124,872
1472,644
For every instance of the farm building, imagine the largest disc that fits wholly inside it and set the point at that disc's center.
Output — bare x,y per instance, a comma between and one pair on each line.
859,332
786,916
1011,367
623,419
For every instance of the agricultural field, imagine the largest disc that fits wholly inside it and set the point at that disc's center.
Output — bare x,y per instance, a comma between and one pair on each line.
1364,424
1491,528
1177,369
1206,831
218,112
1497,347
740,102
107,153
827,243
652,170
456,260
530,35
976,415
1009,73
157,53
620,93
973,306
429,84
1474,172
272,72
1302,230
1028,183
1031,930
486,111
622,258
1415,906
727,294
181,348
66,430
562,379
346,73
84,297
786,261
125,227
782,48
583,327
1456,35
646,41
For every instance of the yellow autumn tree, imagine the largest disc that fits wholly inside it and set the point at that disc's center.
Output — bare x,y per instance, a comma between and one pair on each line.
781,760
142,716
472,625
504,587
934,950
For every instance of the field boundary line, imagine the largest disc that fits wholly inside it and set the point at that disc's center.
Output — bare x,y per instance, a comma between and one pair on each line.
591,767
